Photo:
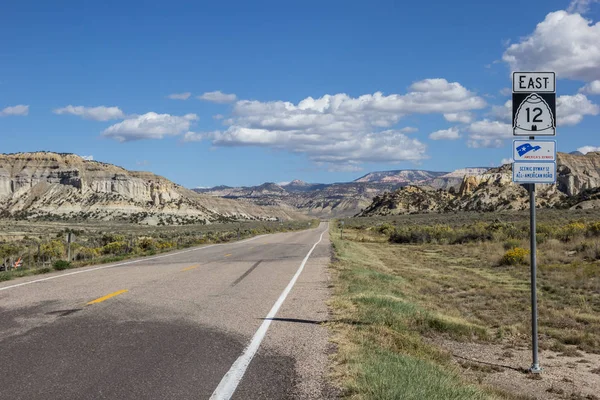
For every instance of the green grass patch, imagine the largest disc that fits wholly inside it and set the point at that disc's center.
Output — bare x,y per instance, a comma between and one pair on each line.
381,333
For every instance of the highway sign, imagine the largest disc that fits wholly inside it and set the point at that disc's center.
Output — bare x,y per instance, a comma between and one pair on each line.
534,172
534,104
534,150
534,82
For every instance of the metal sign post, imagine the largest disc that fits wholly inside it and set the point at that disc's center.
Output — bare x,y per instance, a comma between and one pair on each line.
534,113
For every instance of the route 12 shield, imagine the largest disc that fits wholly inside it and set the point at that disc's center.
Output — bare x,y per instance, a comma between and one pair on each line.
534,104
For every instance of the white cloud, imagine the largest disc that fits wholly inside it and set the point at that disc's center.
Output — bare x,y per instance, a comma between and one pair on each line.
506,91
588,149
580,6
591,88
488,133
218,97
506,161
408,129
18,110
565,43
339,129
179,96
446,134
100,113
88,158
218,117
462,117
503,113
570,110
150,126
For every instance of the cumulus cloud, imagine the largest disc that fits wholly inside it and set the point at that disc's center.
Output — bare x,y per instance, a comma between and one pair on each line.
218,97
339,129
150,126
445,134
565,43
591,88
570,110
462,117
18,110
502,113
179,96
408,129
100,113
506,161
218,117
588,149
488,133
580,6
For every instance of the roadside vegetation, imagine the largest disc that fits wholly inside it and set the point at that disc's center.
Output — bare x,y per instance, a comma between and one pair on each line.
41,247
406,286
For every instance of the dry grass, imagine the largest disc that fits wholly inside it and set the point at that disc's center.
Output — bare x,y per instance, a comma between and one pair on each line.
464,292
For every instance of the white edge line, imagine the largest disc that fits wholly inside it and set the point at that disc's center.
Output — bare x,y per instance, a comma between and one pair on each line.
233,377
125,263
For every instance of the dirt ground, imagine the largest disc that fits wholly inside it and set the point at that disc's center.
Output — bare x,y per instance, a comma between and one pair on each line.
570,375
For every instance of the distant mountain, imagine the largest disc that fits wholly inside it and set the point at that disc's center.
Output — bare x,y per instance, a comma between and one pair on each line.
344,198
407,176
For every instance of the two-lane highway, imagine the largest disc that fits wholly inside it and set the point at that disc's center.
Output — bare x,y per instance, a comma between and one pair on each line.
239,320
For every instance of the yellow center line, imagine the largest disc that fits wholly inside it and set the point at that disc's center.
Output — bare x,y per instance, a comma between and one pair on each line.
190,268
108,296
227,255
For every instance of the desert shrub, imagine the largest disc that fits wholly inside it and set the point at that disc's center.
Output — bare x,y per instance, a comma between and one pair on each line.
86,253
511,244
109,238
115,248
515,256
570,231
166,245
594,229
147,244
60,265
52,250
385,229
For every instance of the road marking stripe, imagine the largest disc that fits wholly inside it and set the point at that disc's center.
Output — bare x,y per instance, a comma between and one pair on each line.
123,263
227,255
233,377
190,268
108,296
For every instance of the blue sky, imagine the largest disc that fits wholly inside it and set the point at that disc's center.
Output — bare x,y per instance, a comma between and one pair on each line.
321,91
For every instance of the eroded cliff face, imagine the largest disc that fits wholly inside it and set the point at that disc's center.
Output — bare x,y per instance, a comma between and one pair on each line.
40,184
495,191
577,173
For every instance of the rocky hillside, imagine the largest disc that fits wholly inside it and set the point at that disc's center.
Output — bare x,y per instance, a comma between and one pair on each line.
50,185
578,179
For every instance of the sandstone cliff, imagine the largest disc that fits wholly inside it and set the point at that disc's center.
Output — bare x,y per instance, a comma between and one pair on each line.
43,184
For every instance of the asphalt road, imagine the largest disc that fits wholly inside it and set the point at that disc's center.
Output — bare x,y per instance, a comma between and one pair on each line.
173,326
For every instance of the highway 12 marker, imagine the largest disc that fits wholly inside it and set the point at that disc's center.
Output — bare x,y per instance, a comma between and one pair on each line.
534,114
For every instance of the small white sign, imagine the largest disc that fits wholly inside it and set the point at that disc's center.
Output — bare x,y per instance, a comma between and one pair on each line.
534,150
534,172
534,82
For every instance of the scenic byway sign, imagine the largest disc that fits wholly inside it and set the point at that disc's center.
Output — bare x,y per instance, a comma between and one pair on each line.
534,150
534,172
534,104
